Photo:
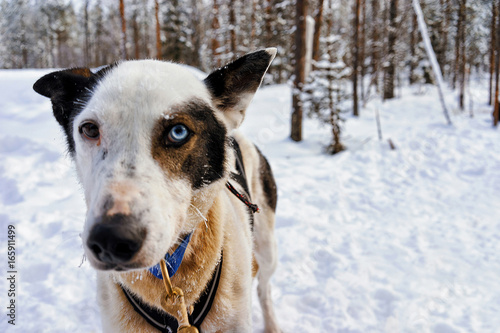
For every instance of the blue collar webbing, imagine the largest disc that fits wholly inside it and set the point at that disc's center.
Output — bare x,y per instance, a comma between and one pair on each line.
173,260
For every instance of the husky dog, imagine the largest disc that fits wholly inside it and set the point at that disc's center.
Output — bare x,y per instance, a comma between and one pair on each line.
156,151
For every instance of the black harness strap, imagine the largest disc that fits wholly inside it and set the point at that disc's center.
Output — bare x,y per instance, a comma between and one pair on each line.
166,323
241,178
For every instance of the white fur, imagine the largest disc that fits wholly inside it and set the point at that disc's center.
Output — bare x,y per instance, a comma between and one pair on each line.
126,105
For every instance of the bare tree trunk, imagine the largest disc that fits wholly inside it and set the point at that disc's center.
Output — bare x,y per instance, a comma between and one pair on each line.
440,28
158,31
390,70
232,27
375,42
124,31
446,24
268,22
413,46
355,62
197,35
25,50
86,51
318,22
463,60
215,41
300,59
253,22
59,51
329,19
458,44
496,110
336,146
492,50
362,42
135,33
99,58
145,41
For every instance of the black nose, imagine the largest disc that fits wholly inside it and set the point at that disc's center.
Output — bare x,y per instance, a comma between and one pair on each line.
115,239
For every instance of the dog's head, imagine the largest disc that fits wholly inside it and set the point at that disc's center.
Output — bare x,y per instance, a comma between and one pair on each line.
149,141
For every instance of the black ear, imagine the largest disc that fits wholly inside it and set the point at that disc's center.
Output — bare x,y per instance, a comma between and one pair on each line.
68,91
233,86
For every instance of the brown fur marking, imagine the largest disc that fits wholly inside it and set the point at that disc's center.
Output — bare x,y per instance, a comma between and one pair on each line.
268,183
201,159
255,266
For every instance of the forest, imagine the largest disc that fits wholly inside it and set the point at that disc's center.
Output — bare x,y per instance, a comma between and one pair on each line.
376,39
376,118
360,49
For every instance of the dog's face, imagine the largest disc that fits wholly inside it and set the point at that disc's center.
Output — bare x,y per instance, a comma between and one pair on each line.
149,141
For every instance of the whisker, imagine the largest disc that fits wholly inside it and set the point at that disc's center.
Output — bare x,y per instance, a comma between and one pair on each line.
84,258
202,216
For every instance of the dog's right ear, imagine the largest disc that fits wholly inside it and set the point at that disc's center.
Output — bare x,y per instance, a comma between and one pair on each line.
64,88
68,90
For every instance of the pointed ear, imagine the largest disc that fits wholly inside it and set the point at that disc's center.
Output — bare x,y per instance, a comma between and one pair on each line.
233,86
64,88
67,90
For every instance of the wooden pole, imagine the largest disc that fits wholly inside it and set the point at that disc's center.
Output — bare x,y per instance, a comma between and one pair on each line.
432,57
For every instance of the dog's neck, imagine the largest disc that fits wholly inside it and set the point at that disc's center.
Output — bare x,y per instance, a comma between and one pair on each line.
200,260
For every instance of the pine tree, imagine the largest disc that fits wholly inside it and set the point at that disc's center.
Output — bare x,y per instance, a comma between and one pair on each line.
325,95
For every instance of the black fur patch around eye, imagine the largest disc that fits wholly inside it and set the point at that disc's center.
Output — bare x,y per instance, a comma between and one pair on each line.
202,158
207,165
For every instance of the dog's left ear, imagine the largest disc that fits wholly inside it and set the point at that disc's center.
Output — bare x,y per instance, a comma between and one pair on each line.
233,86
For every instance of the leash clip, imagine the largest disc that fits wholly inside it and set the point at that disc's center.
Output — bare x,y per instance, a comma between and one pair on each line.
174,303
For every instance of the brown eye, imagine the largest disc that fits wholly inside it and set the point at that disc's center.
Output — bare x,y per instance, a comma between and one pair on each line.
89,131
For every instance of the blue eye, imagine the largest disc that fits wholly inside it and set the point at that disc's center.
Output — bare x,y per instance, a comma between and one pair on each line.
178,134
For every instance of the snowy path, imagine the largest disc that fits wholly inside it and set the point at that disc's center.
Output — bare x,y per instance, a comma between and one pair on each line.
371,240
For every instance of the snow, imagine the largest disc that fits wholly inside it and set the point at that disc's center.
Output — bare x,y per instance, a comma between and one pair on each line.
370,240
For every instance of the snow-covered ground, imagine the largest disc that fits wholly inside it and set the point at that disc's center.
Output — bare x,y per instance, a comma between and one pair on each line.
370,240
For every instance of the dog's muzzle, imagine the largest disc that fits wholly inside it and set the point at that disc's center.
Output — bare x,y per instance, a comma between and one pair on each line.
115,239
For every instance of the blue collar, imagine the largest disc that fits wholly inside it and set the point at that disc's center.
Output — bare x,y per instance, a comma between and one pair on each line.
173,261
